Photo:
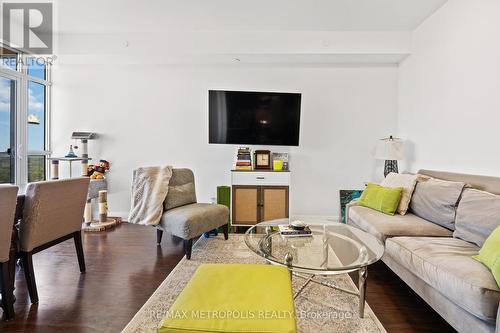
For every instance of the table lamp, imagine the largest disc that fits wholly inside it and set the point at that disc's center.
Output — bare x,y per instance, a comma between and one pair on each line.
391,150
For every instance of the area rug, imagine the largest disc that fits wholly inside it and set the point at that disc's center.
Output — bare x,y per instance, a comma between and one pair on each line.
318,308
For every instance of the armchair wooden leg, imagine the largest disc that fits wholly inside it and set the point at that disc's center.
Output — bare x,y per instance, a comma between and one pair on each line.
7,296
188,245
29,274
77,236
225,228
159,235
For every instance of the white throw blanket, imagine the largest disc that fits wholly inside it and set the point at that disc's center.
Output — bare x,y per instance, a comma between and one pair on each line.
149,190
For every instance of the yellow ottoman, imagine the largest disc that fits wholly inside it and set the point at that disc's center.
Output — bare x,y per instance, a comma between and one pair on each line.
234,298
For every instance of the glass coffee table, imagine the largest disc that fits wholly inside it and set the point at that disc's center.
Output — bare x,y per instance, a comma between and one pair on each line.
333,248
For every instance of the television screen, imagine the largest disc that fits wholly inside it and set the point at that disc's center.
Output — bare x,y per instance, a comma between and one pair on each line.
254,118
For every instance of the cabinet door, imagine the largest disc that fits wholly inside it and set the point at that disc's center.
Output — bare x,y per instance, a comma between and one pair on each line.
274,202
245,204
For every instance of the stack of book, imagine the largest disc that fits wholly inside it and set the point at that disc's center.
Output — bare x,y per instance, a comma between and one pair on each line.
244,159
289,231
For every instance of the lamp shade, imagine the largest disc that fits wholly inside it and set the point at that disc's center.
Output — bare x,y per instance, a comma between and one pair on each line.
390,149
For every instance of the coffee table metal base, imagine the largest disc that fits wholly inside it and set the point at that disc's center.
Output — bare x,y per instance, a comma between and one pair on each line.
363,273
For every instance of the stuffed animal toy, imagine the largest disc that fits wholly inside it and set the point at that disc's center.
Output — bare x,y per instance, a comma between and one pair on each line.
90,170
98,171
97,175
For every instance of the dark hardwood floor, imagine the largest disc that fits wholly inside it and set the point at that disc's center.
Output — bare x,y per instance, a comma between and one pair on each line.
124,267
397,306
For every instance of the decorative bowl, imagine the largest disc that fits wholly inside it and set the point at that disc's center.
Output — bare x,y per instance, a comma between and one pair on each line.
298,225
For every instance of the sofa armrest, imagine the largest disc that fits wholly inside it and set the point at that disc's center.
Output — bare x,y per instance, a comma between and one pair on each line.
353,203
498,319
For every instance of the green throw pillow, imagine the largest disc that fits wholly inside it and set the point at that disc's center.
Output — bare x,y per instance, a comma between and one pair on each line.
383,199
489,254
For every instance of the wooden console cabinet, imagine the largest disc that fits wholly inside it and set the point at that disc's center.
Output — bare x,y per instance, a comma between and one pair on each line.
259,196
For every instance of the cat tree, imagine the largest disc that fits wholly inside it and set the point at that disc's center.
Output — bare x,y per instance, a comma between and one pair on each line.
98,188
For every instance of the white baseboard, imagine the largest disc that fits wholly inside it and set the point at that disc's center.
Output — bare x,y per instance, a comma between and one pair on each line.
316,219
311,219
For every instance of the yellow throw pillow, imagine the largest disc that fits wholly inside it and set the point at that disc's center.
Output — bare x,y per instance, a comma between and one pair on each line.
382,199
489,254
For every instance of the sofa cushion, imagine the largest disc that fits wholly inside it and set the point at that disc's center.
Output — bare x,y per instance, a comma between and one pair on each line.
478,214
181,190
436,200
447,265
383,226
192,220
407,182
234,298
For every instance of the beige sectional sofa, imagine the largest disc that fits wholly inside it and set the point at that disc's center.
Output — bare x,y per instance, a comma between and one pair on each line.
436,265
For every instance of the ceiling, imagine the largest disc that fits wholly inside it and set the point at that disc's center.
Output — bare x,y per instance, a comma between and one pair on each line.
119,16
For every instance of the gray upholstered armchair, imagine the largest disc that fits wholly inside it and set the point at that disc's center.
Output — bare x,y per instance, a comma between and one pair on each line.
52,213
184,217
8,195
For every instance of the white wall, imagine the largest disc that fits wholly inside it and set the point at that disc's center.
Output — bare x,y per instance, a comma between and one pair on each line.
449,100
443,99
152,115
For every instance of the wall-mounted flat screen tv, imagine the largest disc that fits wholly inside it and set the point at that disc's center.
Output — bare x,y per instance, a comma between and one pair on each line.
254,118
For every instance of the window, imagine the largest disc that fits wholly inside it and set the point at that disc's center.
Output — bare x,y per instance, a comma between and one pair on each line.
8,58
36,68
24,117
7,115
36,131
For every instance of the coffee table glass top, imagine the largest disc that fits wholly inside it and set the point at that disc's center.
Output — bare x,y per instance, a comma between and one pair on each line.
333,248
